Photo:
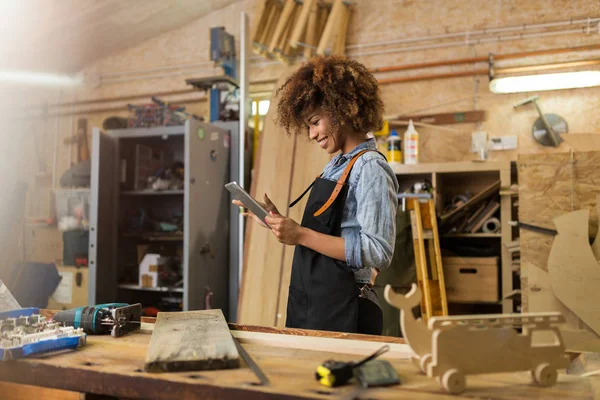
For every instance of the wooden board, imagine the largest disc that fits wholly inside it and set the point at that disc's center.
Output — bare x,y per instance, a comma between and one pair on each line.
447,118
574,270
472,279
12,391
309,161
113,367
192,340
261,274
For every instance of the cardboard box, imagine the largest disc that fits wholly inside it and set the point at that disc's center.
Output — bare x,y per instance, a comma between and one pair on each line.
72,291
43,244
471,279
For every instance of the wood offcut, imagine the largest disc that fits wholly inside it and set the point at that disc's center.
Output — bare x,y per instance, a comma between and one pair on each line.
192,340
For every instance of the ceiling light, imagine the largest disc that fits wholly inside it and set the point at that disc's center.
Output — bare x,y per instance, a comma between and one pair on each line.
35,78
541,82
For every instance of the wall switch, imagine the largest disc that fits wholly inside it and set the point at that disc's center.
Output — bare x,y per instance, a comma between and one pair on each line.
503,143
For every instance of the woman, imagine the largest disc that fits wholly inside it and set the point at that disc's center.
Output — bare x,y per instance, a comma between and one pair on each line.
347,231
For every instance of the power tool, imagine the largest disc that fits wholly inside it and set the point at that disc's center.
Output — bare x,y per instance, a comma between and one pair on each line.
336,373
116,318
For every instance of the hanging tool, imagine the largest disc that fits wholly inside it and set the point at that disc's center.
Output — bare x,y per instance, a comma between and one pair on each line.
336,373
117,319
430,277
547,128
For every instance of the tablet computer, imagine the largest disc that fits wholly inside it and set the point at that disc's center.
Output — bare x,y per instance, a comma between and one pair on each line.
243,196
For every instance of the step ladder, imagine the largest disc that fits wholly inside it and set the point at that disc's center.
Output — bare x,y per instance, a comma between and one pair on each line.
428,257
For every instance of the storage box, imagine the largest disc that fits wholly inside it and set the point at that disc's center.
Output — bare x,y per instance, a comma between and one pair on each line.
75,247
72,291
43,244
471,279
72,209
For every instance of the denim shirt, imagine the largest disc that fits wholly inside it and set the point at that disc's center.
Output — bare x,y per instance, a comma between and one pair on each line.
368,222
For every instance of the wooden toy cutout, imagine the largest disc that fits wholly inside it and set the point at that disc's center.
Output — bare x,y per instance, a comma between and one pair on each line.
573,268
479,344
414,330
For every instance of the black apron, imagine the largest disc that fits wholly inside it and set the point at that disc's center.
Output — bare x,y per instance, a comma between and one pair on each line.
323,295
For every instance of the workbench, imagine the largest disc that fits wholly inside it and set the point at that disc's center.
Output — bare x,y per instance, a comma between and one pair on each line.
112,367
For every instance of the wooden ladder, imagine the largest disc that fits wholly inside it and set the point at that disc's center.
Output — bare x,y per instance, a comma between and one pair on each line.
428,257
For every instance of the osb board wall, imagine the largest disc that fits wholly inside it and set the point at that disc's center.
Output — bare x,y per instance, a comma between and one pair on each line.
551,185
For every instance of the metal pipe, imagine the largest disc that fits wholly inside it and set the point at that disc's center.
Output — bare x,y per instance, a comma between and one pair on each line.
55,158
165,68
472,60
465,43
485,31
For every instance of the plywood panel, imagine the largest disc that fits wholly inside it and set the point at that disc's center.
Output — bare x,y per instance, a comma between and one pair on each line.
309,161
550,185
261,276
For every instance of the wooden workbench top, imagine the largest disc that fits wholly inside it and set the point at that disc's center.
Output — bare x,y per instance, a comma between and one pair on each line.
113,367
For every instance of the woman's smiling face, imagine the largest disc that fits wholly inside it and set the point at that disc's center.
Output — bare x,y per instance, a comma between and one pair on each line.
321,130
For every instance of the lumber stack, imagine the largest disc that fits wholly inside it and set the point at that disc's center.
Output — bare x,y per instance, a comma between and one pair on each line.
285,166
288,29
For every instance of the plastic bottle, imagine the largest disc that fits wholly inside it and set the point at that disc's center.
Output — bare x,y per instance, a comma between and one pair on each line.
411,145
394,147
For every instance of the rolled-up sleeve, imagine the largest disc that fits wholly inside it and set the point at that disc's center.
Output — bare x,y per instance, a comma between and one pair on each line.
370,244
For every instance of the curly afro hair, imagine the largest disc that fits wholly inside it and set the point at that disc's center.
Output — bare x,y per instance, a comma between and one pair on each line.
343,88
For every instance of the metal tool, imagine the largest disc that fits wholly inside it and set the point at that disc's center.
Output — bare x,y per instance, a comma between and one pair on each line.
420,196
336,373
548,127
534,228
117,319
264,381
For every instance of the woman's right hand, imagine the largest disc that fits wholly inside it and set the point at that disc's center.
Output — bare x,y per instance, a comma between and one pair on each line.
267,205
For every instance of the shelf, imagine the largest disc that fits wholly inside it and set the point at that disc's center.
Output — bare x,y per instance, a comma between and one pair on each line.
129,286
152,192
156,237
472,235
449,167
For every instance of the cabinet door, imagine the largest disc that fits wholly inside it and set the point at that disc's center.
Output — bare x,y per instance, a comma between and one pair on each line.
102,283
206,217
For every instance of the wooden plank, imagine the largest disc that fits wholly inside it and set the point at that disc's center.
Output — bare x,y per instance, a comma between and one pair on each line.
301,24
282,22
339,44
311,29
308,162
192,340
456,166
472,202
458,117
13,391
574,270
112,367
316,333
332,21
263,253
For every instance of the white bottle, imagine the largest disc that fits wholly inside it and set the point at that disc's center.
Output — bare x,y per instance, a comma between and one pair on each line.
411,145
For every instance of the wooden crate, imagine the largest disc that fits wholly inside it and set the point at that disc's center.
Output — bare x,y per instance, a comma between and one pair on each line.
471,279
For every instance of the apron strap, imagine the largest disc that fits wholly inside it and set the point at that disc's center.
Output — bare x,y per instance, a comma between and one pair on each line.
293,203
340,184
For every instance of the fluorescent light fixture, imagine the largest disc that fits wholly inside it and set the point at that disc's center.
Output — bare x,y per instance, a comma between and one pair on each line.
35,78
536,83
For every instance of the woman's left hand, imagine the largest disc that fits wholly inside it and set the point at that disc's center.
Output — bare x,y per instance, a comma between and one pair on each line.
285,229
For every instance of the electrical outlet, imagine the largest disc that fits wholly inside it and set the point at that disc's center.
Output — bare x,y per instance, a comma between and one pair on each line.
503,143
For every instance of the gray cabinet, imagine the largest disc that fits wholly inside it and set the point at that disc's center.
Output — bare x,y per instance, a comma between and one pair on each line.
121,208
